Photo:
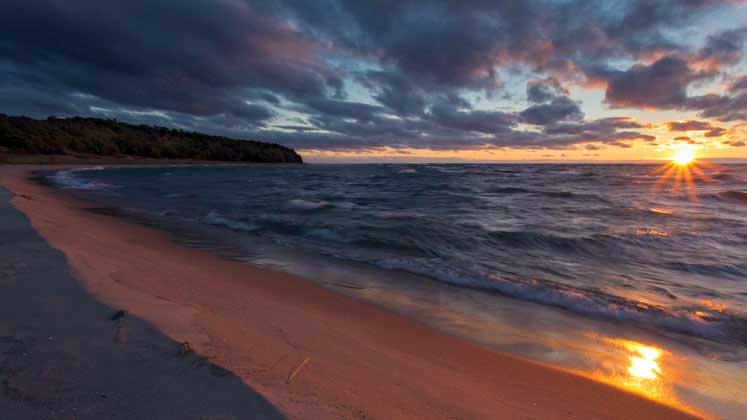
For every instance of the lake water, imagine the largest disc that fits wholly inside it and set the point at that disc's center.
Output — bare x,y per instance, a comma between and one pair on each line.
635,275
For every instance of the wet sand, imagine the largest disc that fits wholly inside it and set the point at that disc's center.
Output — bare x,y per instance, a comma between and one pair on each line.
309,351
62,356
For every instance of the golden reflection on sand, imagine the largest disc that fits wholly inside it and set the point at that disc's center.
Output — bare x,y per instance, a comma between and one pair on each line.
646,364
637,367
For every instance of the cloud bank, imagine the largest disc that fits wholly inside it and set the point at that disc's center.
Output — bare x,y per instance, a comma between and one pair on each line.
339,75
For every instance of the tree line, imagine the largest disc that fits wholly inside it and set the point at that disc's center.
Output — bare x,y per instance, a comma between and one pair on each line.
109,137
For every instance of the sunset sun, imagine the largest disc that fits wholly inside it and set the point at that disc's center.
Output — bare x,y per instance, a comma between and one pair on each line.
683,157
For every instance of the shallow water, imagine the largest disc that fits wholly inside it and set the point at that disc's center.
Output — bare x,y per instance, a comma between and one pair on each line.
632,274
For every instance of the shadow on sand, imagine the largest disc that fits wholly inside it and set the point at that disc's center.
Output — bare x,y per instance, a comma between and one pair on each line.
63,355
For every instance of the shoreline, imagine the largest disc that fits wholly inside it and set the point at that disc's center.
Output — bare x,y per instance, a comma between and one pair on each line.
311,352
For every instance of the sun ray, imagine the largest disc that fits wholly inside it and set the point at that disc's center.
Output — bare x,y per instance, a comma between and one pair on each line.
661,169
699,172
682,172
670,169
689,184
679,172
677,179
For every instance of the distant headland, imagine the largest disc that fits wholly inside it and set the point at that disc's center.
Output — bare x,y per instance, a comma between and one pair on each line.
24,139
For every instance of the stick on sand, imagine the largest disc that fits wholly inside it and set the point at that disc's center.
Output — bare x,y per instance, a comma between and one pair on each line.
298,369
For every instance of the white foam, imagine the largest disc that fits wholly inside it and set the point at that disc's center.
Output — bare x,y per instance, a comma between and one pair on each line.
69,180
307,204
216,219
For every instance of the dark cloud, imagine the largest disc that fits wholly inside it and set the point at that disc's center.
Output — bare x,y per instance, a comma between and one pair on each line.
29,100
662,84
560,109
724,48
685,139
198,57
735,143
380,73
335,108
739,84
603,126
460,43
719,107
715,132
694,125
541,91
435,134
395,91
690,125
447,114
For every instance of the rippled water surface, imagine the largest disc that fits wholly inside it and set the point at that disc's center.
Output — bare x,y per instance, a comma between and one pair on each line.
660,250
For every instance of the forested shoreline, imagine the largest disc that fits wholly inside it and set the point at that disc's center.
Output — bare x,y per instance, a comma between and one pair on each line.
107,137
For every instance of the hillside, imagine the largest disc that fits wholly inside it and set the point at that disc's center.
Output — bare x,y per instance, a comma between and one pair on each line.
94,136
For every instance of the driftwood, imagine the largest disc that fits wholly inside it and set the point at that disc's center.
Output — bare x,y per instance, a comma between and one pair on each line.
296,370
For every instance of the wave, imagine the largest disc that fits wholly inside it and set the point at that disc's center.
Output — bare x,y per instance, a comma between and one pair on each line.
702,321
325,235
307,204
393,214
707,322
601,244
558,194
723,176
476,227
719,270
412,240
216,219
733,195
623,245
551,194
728,195
508,190
572,195
69,179
447,170
179,195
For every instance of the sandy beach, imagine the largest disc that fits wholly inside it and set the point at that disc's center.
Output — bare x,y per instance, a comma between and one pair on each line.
274,344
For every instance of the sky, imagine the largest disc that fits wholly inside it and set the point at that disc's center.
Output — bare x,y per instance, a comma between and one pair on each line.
395,80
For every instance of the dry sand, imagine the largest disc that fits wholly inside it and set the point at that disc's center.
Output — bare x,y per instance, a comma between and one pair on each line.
312,353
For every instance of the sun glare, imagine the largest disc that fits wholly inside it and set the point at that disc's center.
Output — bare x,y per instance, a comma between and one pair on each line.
645,364
683,157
